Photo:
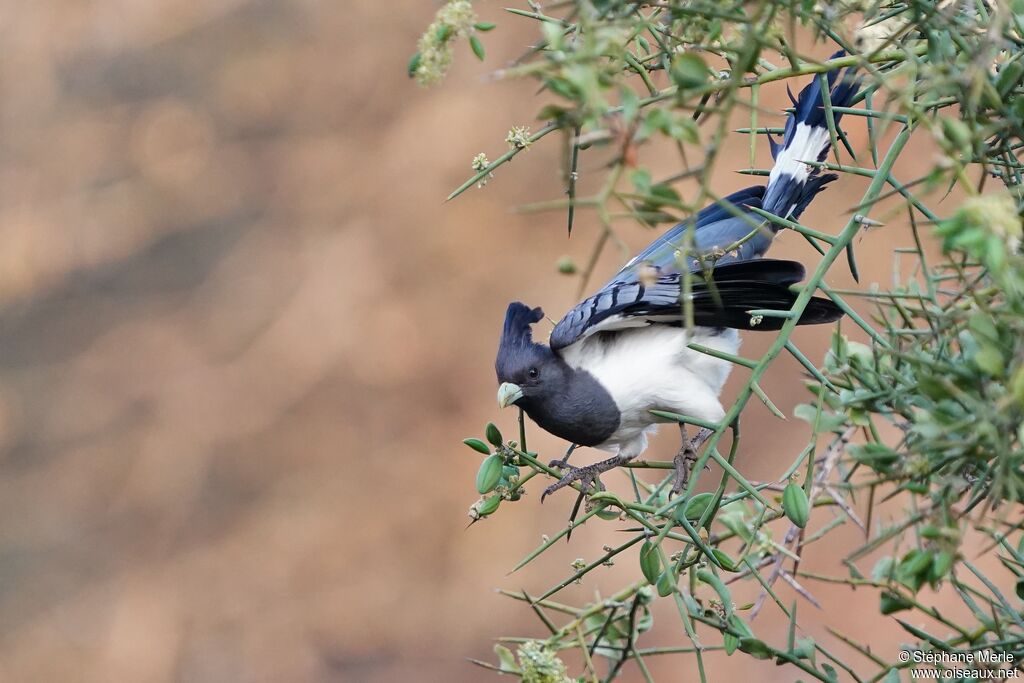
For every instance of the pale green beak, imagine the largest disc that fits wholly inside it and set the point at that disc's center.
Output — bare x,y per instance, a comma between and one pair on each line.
508,394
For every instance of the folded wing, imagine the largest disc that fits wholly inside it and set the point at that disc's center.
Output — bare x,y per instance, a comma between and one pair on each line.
722,297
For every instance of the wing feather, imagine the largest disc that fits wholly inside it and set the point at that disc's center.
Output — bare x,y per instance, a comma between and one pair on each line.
722,298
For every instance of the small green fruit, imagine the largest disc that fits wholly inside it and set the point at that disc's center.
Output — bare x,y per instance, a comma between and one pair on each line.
796,505
566,266
489,474
489,505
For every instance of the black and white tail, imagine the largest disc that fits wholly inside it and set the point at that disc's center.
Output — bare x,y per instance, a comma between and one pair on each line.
792,183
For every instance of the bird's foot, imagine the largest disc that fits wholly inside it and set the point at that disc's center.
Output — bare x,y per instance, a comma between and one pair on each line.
685,459
683,462
563,463
586,476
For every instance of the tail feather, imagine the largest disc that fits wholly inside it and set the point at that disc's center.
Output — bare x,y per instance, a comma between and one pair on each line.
737,288
792,183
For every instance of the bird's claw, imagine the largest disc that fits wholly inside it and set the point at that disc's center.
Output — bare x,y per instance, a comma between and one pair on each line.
584,475
683,462
686,457
559,464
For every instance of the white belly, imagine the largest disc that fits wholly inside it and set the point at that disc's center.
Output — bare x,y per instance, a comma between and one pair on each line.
651,368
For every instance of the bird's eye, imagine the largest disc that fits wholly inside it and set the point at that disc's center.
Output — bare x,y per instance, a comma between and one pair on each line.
533,373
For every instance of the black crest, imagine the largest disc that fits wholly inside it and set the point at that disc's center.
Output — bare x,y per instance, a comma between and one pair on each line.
517,350
517,331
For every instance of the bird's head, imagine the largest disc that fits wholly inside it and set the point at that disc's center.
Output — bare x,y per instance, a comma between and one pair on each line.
523,366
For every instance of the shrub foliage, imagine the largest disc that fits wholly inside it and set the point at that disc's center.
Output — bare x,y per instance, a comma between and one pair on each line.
918,402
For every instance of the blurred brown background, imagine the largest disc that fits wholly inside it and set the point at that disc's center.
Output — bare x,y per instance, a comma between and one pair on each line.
241,337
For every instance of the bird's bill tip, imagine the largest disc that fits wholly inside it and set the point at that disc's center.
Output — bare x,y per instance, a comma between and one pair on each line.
508,394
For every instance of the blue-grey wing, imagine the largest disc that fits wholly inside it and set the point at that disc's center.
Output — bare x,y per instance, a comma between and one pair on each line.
715,227
722,298
641,286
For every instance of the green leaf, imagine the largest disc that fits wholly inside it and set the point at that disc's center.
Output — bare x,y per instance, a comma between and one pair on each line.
989,360
650,563
728,564
694,508
489,474
716,583
915,562
641,179
477,445
478,48
957,133
506,660
942,562
414,64
665,585
740,625
983,326
796,505
493,434
883,569
826,421
730,641
918,487
913,569
679,127
688,70
561,86
874,455
755,648
630,102
484,26
1009,77
736,524
804,648
684,129
891,603
1017,385
551,112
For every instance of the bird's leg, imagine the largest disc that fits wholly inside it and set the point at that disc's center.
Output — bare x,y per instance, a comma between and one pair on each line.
586,475
564,462
686,456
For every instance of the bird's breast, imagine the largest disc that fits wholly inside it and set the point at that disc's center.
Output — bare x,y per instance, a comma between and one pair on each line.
653,368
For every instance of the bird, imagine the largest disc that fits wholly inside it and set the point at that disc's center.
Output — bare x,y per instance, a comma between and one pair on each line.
626,350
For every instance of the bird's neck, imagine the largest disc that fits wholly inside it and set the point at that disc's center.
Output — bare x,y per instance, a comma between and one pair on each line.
577,408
